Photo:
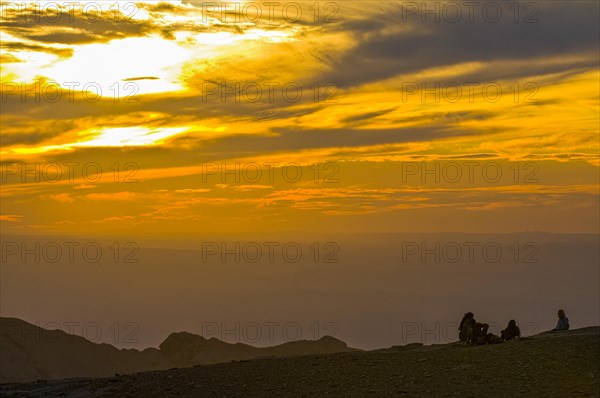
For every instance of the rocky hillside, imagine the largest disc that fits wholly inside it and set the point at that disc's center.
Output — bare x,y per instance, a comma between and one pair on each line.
548,365
28,353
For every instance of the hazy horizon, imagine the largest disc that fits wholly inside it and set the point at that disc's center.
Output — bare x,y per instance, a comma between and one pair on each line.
370,293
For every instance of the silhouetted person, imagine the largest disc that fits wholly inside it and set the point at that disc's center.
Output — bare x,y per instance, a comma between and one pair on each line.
467,328
563,321
479,333
491,338
512,331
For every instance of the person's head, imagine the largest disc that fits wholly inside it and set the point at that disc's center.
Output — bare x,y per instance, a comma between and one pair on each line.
561,314
469,315
512,323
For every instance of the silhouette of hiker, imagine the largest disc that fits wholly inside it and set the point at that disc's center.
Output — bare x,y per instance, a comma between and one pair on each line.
480,332
563,321
476,333
512,331
466,328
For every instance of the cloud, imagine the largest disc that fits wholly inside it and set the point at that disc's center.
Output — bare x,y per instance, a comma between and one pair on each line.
296,139
9,58
48,26
115,219
367,116
133,79
250,187
368,55
125,196
564,29
60,52
61,198
194,190
135,19
10,217
20,131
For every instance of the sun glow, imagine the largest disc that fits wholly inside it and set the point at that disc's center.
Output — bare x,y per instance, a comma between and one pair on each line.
118,61
129,136
112,137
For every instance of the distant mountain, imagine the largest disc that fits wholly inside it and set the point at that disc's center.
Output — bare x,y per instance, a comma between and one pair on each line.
28,352
186,349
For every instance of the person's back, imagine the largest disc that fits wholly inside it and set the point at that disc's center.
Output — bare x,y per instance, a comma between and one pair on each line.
512,331
466,327
563,321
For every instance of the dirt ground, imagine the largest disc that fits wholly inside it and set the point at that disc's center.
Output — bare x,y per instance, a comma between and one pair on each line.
553,364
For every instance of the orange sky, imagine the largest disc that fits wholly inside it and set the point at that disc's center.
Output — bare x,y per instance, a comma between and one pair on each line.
328,116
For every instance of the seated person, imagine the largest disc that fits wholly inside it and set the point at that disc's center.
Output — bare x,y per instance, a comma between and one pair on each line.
491,338
480,333
563,321
466,328
512,331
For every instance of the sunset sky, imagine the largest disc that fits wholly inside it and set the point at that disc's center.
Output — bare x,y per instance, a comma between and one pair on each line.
160,95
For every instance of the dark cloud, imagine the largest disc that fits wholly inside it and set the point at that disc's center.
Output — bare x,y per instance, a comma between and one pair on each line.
78,27
28,132
70,38
17,46
367,116
295,139
297,13
195,106
187,150
445,117
162,7
64,28
563,29
133,79
24,138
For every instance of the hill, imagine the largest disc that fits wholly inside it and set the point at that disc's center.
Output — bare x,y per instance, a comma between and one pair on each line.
551,364
28,353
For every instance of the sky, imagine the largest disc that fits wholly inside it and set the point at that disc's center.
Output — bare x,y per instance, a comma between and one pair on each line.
194,117
375,129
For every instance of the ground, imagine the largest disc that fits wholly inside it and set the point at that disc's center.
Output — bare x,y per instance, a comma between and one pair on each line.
554,364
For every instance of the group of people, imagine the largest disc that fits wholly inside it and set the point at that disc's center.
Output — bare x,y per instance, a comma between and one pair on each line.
476,333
